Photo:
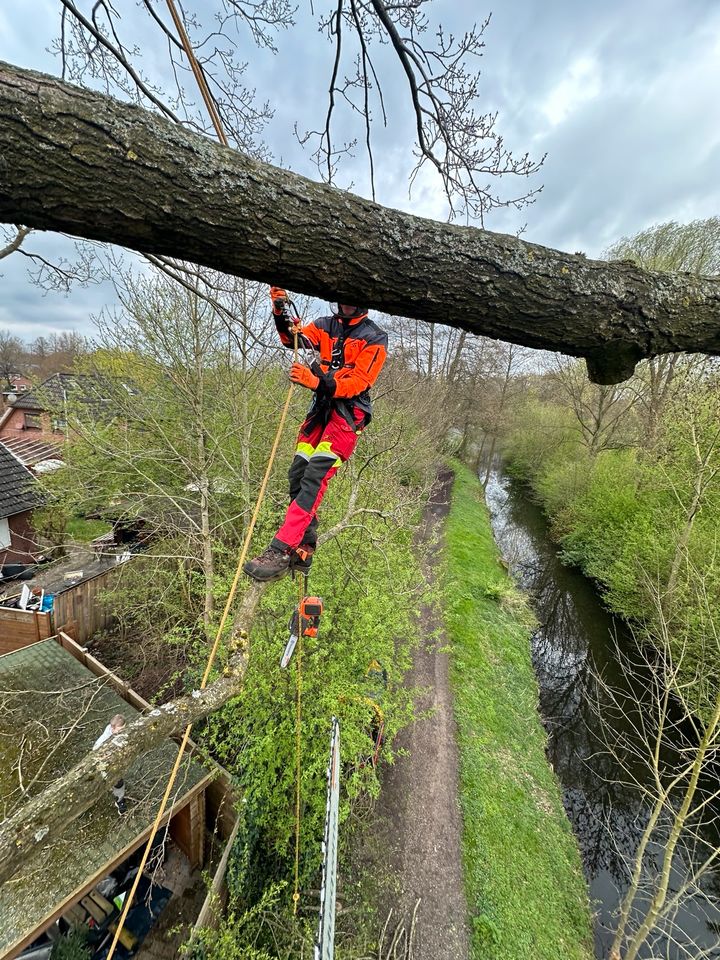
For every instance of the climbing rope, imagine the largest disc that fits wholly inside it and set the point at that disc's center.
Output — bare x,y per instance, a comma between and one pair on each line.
211,659
198,74
197,71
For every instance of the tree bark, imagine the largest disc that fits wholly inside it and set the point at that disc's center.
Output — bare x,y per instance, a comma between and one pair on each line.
78,161
48,815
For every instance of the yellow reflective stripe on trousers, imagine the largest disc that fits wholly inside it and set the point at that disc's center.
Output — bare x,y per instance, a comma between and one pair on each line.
305,449
325,449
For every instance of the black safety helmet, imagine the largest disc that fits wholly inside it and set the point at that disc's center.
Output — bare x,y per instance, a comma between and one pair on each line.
346,314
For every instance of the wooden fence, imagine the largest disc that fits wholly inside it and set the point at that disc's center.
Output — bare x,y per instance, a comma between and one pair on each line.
78,611
18,628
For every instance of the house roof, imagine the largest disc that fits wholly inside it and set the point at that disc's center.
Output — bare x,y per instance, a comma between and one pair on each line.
30,451
54,710
19,490
83,391
17,382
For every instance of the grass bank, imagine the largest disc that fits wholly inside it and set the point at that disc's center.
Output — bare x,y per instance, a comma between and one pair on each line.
526,893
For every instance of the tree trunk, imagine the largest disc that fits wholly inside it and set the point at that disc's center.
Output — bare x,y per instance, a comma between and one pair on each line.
455,365
77,161
598,423
197,407
207,554
490,458
48,815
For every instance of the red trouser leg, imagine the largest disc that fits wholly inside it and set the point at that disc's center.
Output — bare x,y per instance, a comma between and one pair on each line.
334,446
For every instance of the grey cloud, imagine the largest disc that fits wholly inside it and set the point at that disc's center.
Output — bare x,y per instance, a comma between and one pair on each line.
32,312
635,142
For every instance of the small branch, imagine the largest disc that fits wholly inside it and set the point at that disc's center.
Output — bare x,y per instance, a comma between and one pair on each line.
101,39
15,243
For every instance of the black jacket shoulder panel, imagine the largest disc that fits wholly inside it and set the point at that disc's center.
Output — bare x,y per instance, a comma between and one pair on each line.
324,323
368,330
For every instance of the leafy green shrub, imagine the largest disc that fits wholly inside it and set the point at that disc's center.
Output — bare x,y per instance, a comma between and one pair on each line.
642,523
255,736
238,932
73,946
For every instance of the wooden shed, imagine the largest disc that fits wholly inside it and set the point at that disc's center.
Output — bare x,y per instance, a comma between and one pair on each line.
57,700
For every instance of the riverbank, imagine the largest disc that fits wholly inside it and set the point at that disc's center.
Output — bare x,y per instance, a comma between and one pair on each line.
407,860
524,884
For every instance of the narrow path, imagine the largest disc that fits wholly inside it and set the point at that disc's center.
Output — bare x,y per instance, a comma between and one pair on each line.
418,812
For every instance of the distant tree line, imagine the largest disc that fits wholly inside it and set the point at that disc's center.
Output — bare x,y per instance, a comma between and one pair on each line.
40,358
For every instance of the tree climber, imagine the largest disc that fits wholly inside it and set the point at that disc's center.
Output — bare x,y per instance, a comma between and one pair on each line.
351,352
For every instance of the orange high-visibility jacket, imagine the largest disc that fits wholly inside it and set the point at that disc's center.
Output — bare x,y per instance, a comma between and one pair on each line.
351,354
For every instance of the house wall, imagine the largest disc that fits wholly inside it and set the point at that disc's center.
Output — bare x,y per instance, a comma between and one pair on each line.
23,545
15,427
187,828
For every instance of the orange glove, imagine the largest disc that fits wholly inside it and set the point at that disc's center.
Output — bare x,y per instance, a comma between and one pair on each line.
279,299
304,376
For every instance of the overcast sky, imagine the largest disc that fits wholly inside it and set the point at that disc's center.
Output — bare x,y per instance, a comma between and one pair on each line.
623,97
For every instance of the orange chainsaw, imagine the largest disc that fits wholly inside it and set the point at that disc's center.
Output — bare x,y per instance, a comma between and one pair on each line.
304,622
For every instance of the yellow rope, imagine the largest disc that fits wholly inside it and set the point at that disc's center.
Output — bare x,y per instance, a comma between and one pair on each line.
199,76
208,668
298,755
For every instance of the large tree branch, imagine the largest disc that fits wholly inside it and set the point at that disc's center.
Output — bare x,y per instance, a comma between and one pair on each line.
48,815
78,161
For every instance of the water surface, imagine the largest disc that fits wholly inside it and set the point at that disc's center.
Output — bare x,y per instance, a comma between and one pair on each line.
601,764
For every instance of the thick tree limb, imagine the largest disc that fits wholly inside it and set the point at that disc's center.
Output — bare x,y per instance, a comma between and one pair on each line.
80,162
48,815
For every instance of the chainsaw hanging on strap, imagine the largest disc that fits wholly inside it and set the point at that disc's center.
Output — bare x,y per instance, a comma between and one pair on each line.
305,621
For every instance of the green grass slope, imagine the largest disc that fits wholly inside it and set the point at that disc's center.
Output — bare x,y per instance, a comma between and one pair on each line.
526,893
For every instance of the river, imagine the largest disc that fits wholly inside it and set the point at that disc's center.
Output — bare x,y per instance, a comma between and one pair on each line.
577,641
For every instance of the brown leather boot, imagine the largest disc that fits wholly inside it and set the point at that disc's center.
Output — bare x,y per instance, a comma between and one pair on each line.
271,564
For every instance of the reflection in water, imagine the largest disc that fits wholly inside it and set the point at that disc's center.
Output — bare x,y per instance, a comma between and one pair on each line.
575,644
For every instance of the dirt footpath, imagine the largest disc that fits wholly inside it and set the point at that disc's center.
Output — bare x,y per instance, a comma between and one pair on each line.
418,813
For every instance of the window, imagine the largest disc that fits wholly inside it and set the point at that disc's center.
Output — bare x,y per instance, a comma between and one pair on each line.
4,533
59,424
32,421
